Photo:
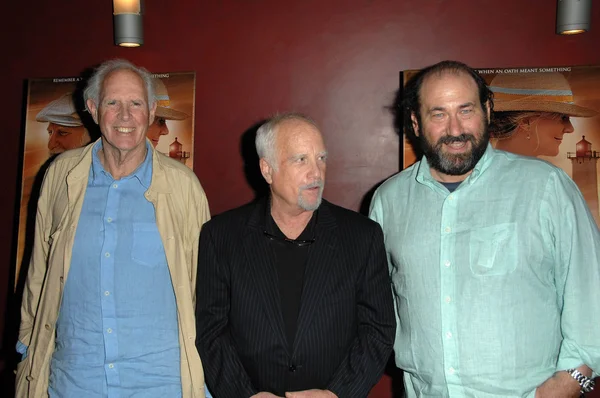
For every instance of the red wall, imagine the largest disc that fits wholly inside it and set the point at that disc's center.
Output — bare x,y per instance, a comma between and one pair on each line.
337,60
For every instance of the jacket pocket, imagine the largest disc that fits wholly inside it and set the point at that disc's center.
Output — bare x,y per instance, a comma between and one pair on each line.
494,250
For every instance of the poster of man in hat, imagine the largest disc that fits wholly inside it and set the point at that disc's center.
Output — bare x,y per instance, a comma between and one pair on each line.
552,113
56,121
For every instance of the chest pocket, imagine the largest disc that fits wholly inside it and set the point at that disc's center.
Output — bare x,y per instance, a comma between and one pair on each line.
494,250
147,248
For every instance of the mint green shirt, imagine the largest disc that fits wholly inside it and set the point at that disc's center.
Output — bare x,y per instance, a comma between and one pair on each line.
496,285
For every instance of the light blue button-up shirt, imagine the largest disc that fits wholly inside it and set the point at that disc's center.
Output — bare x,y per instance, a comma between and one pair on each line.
117,330
497,284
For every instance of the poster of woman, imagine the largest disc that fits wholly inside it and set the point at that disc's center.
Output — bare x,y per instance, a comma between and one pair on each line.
552,113
56,121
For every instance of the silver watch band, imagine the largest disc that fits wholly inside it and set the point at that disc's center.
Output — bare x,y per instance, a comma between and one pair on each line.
586,384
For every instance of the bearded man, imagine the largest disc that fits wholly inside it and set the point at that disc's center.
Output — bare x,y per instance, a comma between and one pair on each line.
494,257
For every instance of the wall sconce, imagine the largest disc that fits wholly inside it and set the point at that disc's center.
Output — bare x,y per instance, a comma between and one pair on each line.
573,16
127,20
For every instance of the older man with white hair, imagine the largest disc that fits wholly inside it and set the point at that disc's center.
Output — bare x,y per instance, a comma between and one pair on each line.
108,306
293,293
65,129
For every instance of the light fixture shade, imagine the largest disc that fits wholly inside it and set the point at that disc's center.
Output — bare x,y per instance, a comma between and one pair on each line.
128,24
573,16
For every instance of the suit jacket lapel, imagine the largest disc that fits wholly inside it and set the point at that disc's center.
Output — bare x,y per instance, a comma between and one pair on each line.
260,259
322,254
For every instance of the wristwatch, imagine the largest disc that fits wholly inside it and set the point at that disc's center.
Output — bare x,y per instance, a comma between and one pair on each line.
585,382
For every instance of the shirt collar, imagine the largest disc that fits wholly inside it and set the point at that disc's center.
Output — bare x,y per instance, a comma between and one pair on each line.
143,173
423,171
271,226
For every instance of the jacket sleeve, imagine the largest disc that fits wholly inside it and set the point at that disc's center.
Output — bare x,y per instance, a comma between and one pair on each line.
38,262
223,370
200,205
369,353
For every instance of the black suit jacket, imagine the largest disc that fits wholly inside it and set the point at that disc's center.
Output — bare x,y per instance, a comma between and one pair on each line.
346,322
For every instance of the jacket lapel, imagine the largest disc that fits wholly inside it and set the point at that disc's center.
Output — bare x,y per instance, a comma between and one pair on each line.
77,180
260,260
321,256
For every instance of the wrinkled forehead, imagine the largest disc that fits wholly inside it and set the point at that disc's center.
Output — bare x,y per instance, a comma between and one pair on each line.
442,86
441,79
298,135
123,79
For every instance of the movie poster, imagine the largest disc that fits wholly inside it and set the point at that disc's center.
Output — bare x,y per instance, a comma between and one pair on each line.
552,113
56,121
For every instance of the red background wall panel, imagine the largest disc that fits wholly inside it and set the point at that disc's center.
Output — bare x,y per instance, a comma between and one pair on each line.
337,60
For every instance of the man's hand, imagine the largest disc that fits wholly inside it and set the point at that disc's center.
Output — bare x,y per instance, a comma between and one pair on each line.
265,395
310,394
561,385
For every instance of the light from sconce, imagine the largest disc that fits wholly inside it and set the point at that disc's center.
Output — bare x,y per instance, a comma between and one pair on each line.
573,16
127,20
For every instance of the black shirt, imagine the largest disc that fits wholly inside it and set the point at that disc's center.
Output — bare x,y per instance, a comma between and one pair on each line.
290,262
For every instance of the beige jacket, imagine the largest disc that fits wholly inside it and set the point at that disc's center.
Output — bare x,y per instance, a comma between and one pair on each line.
181,209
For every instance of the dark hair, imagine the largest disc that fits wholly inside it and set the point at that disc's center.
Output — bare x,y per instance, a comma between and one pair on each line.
409,101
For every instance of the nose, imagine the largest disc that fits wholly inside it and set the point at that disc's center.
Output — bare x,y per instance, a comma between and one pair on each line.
125,113
454,127
52,141
164,130
568,127
317,170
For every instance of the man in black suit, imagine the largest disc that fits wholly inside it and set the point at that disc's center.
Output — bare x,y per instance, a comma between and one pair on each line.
294,297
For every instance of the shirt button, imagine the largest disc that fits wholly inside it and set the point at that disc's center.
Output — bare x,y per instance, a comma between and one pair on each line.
29,378
107,254
47,326
292,368
448,335
447,299
447,263
109,330
107,293
450,197
115,185
451,370
109,219
110,365
447,229
62,279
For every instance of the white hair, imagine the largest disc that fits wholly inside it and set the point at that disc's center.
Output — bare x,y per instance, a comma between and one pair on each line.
94,86
266,135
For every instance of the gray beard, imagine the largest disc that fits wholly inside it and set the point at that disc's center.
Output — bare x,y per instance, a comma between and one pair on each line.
310,206
459,164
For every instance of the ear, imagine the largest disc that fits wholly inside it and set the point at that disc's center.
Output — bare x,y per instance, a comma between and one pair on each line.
415,123
151,114
266,170
525,123
488,110
93,109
